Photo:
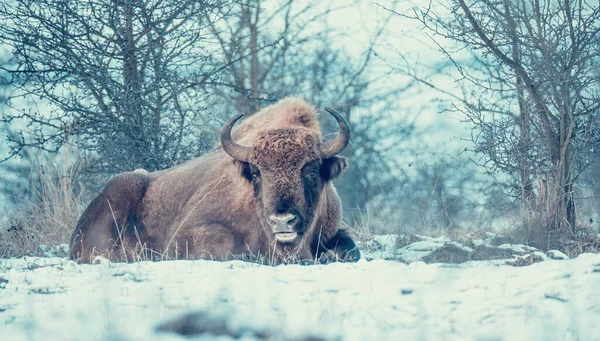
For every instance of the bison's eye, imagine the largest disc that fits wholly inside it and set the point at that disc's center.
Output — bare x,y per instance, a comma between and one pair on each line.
254,174
312,176
256,182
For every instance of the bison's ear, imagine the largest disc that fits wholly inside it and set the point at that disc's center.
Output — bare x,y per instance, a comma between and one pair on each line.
332,167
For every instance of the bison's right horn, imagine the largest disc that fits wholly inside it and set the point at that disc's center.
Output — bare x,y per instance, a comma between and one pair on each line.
331,148
234,150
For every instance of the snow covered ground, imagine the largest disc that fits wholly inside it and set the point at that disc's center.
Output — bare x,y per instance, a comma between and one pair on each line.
55,299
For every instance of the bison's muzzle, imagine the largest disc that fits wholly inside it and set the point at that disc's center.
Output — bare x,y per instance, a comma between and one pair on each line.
284,227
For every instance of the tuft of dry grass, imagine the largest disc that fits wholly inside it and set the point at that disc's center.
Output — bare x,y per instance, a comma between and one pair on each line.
587,241
48,213
535,231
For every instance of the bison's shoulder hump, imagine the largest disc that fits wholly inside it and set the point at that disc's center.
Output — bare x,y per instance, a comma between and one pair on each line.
289,113
297,112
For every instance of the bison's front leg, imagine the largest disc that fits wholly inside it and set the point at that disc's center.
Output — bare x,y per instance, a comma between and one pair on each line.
340,248
209,241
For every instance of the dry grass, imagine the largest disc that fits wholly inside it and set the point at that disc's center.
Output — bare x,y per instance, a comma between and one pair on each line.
534,231
360,232
141,253
48,213
587,241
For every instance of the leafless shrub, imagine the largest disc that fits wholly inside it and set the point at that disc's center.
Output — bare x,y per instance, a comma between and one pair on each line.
533,231
527,77
48,212
127,78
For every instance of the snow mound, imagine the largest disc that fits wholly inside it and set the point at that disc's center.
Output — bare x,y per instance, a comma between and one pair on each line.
476,246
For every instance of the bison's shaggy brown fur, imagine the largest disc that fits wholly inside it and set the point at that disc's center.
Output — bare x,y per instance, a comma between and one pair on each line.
274,198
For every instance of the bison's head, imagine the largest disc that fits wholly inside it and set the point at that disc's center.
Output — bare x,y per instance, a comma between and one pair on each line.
288,169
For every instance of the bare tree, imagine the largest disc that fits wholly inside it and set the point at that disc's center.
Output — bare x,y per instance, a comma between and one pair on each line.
267,51
528,88
289,50
123,79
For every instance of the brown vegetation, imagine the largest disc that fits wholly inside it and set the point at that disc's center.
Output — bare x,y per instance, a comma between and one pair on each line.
49,211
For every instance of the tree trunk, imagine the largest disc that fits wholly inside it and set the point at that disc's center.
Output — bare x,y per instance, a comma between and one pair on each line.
132,100
254,91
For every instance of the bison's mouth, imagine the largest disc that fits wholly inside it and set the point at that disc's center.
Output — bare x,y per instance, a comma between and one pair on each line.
286,237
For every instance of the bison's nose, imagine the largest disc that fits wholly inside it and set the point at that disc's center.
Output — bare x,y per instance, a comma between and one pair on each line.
283,223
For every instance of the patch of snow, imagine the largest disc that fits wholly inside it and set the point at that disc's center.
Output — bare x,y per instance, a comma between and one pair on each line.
61,250
416,251
555,254
522,248
479,242
426,245
460,246
380,247
55,299
387,241
440,239
540,254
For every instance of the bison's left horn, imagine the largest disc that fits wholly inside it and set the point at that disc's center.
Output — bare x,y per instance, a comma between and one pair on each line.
335,146
234,150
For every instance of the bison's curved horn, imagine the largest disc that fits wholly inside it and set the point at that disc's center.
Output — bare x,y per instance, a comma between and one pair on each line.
335,146
234,150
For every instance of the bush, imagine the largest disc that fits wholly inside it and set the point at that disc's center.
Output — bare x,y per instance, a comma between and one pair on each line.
48,212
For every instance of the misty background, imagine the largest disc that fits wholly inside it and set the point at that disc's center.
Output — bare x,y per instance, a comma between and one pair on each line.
465,115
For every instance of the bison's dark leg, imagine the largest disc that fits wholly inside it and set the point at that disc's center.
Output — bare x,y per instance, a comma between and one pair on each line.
106,227
340,248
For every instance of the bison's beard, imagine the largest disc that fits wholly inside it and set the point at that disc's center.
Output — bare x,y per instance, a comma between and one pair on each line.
297,252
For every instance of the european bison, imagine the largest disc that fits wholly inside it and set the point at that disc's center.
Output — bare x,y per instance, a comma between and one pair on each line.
264,194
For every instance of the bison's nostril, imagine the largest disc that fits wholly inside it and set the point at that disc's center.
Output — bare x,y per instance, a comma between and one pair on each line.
283,223
283,219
